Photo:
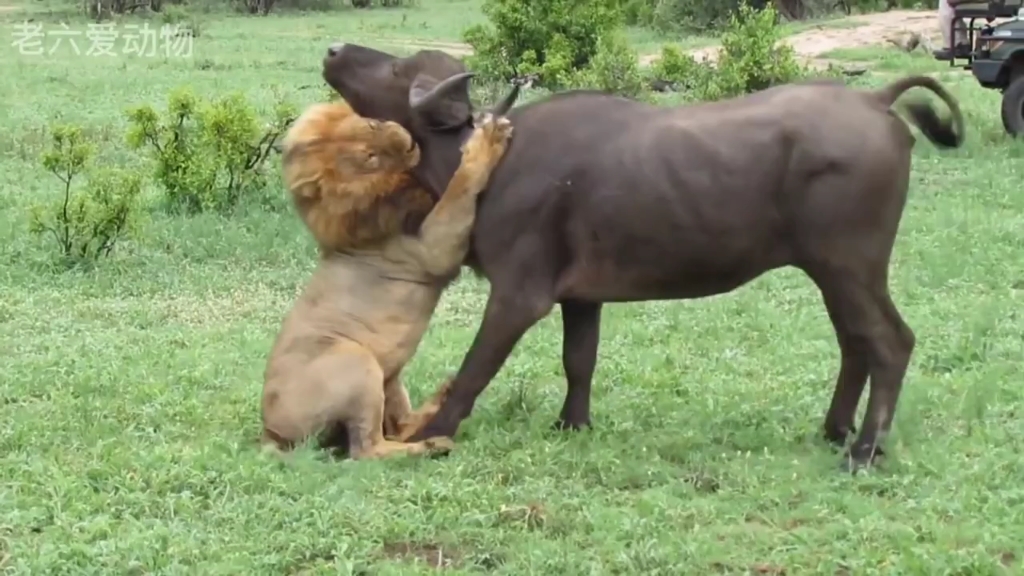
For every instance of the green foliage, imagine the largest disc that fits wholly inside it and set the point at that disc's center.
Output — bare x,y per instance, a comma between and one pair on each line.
177,15
682,72
86,224
208,156
751,58
552,39
698,16
615,68
264,7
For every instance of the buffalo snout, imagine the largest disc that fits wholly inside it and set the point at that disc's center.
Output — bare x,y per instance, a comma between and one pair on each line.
335,49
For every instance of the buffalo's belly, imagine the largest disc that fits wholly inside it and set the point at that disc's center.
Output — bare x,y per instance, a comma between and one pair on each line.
616,278
667,229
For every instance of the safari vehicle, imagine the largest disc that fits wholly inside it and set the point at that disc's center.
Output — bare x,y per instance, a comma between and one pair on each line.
994,53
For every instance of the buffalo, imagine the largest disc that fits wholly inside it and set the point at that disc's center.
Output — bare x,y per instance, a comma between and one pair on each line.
601,199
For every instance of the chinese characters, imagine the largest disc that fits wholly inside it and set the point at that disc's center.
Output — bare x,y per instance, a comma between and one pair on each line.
103,40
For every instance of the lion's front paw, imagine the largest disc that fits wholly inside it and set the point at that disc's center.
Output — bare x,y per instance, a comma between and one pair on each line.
489,139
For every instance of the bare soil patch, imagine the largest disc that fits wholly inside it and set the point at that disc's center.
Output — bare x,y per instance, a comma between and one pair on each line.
869,30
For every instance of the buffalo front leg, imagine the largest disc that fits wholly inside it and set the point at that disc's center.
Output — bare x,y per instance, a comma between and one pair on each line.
581,332
510,312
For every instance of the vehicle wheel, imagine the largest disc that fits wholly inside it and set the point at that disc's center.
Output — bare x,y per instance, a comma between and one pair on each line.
1013,106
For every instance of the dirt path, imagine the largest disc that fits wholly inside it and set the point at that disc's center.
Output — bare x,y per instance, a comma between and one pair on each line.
852,32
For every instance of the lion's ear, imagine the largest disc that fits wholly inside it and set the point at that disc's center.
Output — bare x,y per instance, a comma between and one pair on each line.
441,105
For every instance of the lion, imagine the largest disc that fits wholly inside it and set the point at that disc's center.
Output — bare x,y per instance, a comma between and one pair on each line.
387,252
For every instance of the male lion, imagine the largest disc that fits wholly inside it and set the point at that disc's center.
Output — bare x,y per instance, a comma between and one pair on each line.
334,368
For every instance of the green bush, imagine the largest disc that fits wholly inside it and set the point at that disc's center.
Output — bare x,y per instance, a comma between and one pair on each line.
751,58
179,16
682,72
86,224
697,16
614,68
552,39
208,156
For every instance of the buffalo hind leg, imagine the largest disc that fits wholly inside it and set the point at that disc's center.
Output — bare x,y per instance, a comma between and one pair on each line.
510,312
853,371
581,333
873,327
890,355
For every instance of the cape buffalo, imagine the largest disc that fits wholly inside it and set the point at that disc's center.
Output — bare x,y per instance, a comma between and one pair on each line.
604,199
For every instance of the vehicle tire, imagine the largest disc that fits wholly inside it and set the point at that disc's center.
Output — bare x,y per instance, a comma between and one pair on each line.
1013,106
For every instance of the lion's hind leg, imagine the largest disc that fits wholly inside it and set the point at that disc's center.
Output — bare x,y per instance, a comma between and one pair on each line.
342,390
344,387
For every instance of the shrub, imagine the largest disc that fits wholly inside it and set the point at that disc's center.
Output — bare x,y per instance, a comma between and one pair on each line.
208,155
85,225
682,72
752,57
181,20
614,68
698,16
552,39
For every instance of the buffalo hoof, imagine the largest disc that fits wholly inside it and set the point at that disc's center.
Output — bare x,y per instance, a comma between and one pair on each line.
562,425
837,437
440,425
861,458
438,454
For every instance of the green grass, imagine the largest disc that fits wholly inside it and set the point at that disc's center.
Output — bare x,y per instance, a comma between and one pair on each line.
890,59
129,394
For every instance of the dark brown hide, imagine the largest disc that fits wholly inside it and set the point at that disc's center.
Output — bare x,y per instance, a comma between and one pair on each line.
604,199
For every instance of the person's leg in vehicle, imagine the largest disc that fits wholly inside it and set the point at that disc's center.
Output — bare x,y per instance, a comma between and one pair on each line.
960,47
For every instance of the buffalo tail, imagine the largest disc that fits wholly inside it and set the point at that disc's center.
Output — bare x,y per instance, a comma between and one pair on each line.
944,133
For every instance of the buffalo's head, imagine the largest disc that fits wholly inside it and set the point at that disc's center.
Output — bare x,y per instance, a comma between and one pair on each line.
427,93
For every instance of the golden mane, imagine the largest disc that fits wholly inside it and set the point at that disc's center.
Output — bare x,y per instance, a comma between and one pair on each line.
348,176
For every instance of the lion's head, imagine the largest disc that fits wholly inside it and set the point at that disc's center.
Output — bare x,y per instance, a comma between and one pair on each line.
349,177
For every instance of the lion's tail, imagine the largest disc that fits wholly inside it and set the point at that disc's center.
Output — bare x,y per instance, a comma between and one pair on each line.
944,133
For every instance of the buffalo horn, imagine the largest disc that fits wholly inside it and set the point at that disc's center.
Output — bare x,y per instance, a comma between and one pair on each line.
419,98
502,108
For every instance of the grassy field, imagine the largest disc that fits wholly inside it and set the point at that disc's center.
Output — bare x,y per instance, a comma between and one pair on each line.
129,394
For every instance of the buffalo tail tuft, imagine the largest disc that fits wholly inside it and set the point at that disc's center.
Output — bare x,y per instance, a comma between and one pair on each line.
940,131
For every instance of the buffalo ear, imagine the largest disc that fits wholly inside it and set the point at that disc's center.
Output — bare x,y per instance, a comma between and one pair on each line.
442,104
